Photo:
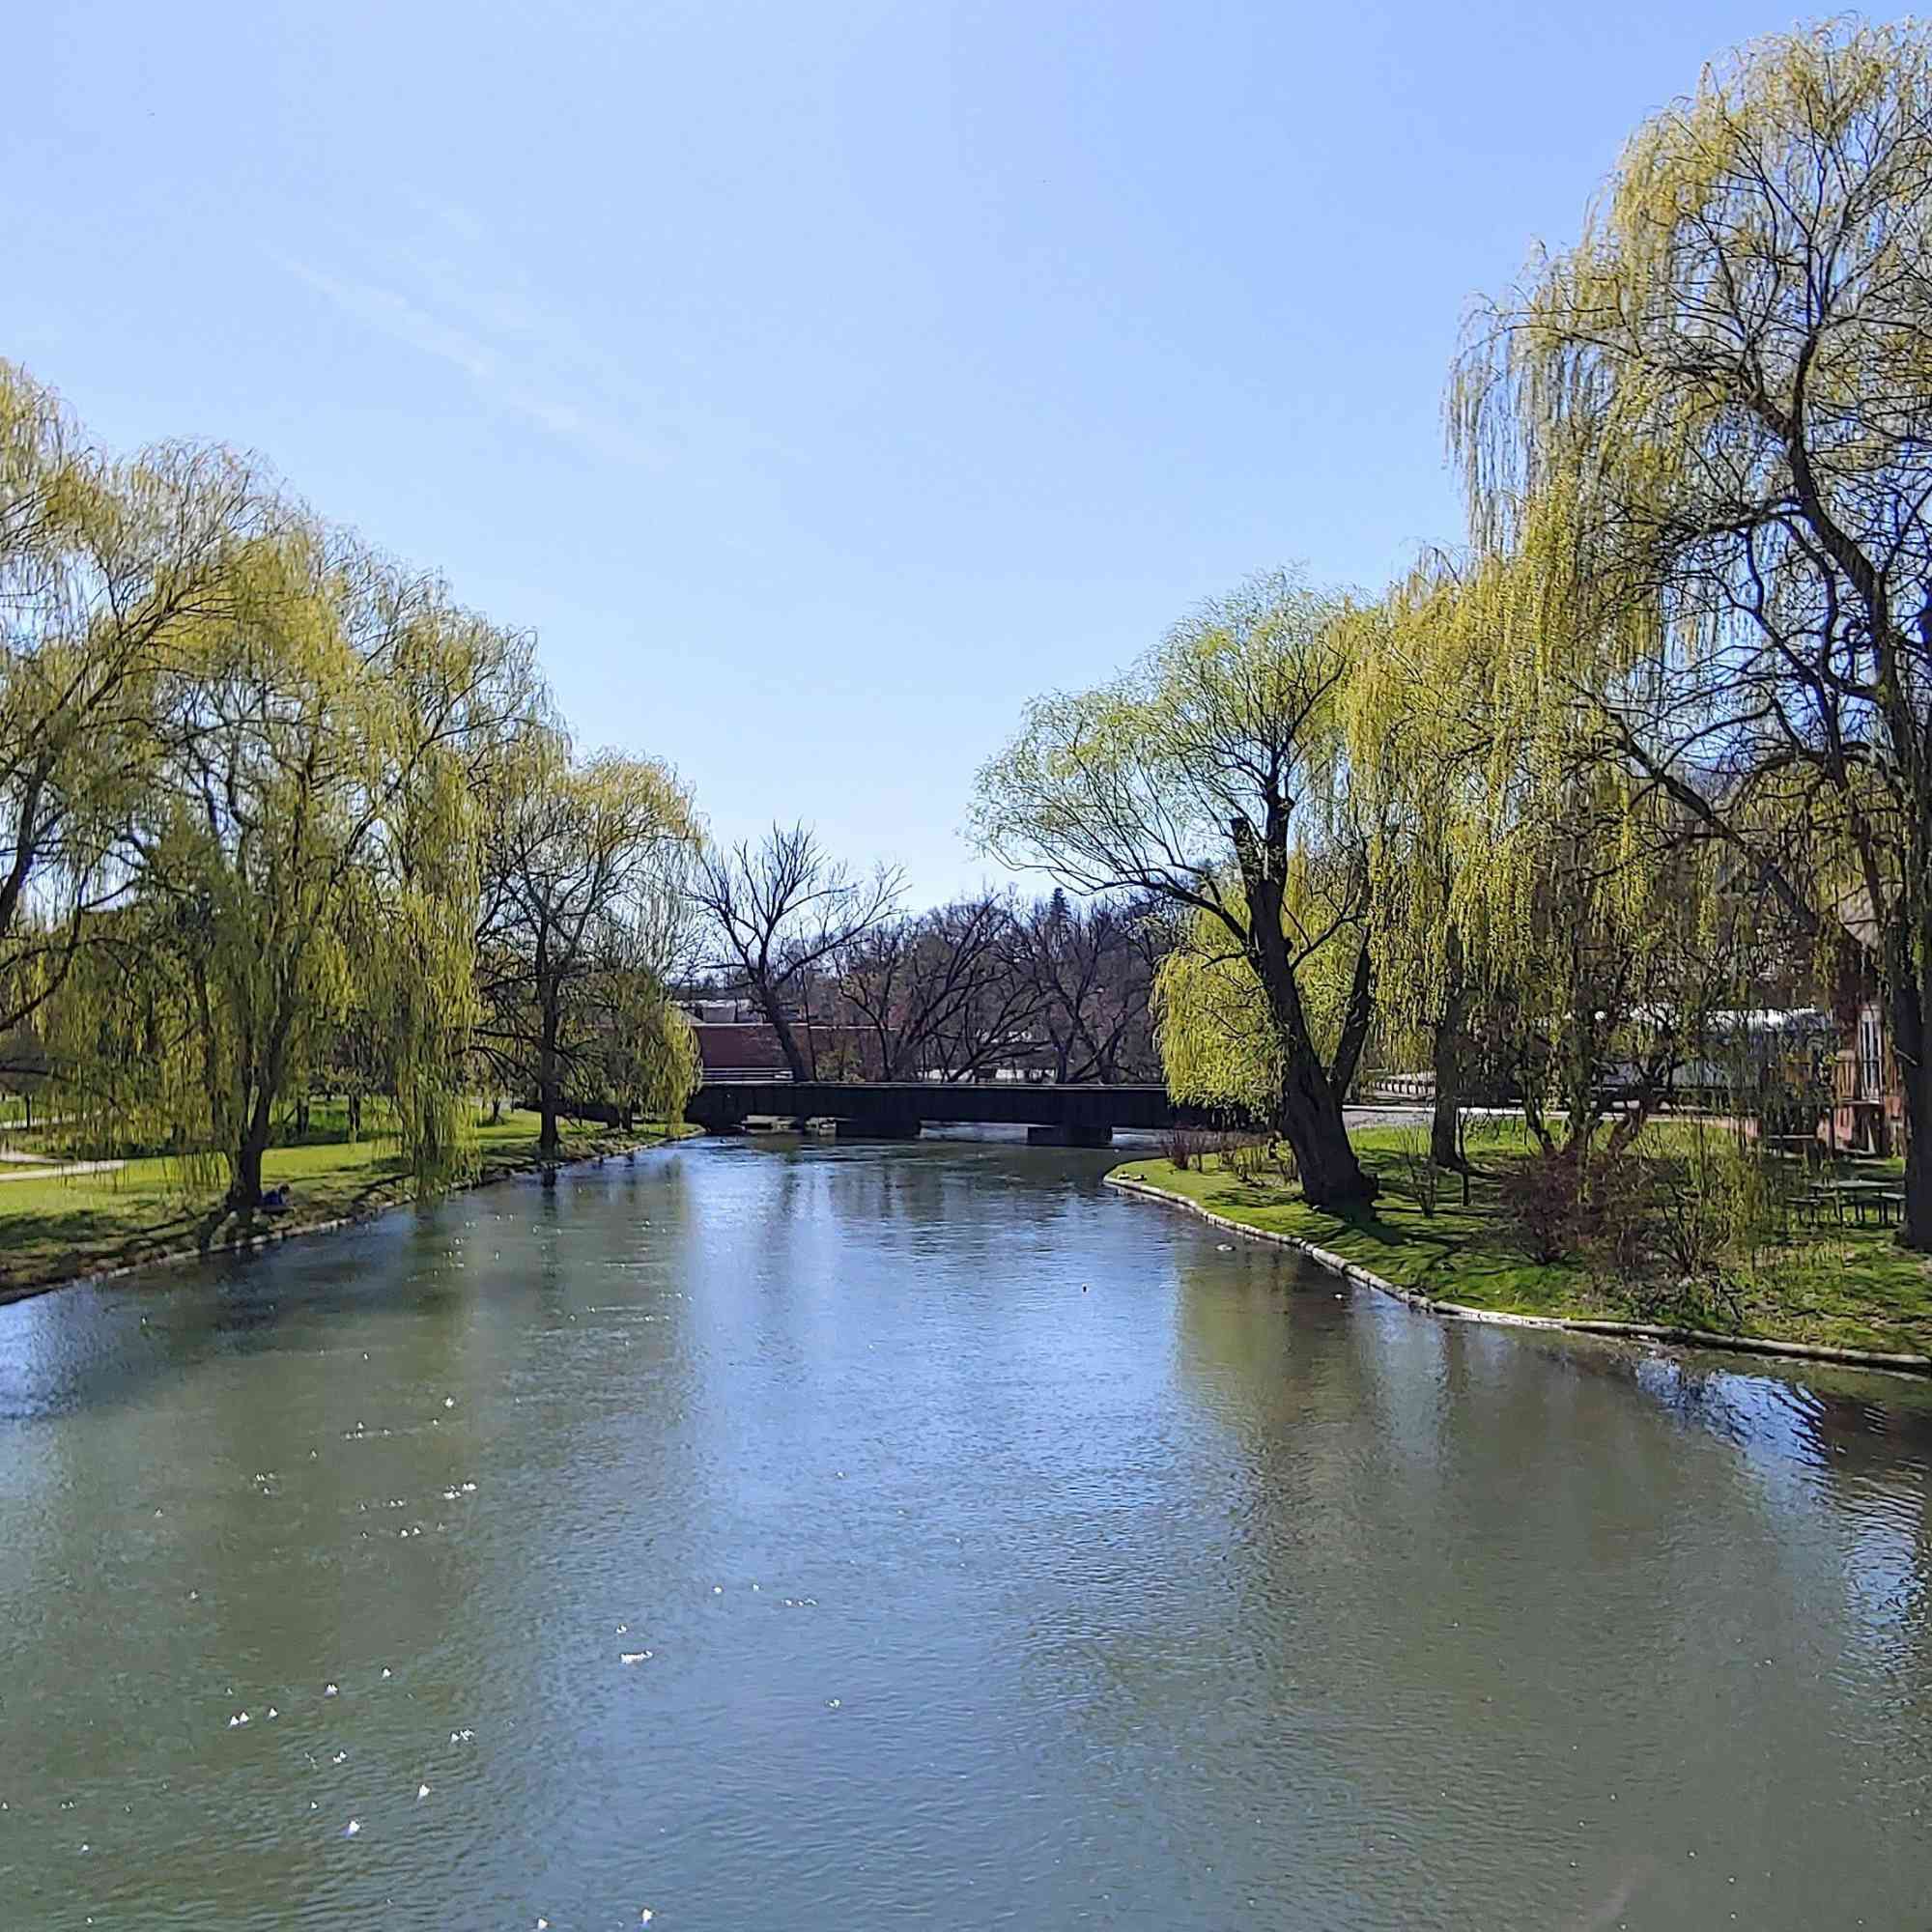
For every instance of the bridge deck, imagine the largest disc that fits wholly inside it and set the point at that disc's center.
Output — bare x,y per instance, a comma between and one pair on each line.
898,1106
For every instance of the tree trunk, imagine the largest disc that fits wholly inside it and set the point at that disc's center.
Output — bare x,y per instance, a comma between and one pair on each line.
1445,1143
1911,998
245,1190
1312,1125
788,1039
549,1138
550,1006
1311,1101
244,1187
354,1116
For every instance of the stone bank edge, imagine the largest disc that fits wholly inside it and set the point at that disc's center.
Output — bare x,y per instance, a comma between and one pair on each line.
1456,1311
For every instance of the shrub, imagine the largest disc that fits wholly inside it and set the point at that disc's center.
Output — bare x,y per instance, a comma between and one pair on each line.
1247,1157
1419,1169
1541,1213
1680,1227
1189,1147
1288,1170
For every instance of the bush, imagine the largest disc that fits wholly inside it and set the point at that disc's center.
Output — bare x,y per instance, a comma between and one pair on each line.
1187,1147
1247,1157
1418,1167
1286,1169
1541,1212
1679,1228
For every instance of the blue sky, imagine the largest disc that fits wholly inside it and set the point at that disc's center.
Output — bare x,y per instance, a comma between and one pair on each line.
818,380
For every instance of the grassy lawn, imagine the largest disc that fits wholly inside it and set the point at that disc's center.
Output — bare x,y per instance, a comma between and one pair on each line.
61,1226
1845,1287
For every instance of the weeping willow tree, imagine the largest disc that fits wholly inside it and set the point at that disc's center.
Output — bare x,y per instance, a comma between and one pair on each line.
1707,430
647,1063
1213,777
1219,1044
304,847
587,865
1535,896
104,568
1427,706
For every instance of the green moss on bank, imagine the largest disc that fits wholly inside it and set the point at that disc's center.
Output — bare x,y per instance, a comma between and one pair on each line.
54,1229
1840,1286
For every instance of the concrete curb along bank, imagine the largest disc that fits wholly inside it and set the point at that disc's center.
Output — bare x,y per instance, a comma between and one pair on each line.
269,1237
1456,1311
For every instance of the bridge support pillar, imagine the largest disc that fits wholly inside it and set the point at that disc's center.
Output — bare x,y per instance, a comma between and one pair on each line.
877,1130
1094,1137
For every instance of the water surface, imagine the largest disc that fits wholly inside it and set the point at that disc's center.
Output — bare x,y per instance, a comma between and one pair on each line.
988,1551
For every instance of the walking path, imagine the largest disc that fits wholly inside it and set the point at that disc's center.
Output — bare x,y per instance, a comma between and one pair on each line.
29,1167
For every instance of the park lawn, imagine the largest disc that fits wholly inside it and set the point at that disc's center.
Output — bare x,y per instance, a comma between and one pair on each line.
1844,1287
54,1229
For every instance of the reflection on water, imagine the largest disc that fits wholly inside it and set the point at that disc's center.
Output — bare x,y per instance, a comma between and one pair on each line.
760,1535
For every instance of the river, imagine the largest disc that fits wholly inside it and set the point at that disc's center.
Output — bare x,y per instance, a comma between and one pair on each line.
778,1535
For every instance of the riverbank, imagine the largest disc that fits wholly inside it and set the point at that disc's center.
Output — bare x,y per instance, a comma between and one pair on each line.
77,1226
1841,1293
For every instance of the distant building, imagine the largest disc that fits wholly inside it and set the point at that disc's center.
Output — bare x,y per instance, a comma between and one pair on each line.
1867,1095
733,1043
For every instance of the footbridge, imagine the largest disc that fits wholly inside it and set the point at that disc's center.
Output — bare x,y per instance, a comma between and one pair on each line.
1053,1115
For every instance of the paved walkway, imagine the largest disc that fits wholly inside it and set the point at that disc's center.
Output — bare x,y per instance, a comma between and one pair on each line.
40,1170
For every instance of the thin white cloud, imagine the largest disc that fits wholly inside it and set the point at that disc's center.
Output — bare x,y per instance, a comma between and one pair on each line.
394,314
524,358
464,223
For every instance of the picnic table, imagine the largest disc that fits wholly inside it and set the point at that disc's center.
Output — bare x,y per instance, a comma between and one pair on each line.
1879,1197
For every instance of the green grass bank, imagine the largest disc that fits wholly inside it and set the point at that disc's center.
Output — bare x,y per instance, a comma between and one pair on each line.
1840,1286
58,1228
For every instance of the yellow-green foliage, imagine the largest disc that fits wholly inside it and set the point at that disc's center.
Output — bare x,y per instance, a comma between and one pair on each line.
1699,437
305,846
585,862
1219,1046
1215,767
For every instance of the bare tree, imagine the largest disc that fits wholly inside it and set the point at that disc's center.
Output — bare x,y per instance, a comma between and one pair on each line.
782,913
942,994
1092,968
